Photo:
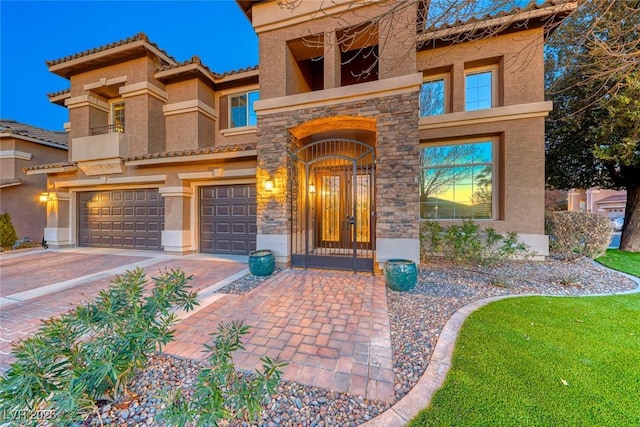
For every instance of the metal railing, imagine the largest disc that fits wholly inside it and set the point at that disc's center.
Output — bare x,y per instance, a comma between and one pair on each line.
101,130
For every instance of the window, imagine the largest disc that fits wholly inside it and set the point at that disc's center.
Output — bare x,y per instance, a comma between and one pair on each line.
457,181
479,90
241,112
117,116
432,98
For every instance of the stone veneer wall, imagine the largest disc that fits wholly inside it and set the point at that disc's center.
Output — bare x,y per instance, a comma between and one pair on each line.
397,167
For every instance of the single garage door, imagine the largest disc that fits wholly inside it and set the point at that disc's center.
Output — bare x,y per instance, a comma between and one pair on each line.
132,219
228,219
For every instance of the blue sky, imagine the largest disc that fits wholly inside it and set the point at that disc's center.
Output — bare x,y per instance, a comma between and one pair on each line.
32,32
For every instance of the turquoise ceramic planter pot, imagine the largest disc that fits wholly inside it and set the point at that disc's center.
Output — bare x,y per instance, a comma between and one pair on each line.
261,262
400,274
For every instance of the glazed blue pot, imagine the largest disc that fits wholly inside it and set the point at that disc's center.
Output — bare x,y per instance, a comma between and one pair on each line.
400,274
261,262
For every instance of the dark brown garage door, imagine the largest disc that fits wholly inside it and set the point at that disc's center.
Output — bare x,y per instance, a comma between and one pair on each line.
228,219
132,219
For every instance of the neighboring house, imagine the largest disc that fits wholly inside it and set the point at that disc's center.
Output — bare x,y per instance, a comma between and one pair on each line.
611,203
22,146
324,164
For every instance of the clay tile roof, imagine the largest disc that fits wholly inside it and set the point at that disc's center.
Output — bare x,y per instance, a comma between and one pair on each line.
196,151
49,166
239,70
135,38
194,60
59,138
533,5
197,60
58,93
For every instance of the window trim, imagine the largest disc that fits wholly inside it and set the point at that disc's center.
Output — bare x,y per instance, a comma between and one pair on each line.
495,141
248,115
446,78
494,84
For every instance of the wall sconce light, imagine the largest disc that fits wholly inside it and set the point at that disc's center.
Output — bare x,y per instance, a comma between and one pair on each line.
268,185
312,188
44,197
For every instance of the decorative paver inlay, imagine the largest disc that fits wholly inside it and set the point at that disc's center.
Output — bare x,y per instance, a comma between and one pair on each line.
332,328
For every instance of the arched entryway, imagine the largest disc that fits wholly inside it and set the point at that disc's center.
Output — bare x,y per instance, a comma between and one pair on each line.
332,204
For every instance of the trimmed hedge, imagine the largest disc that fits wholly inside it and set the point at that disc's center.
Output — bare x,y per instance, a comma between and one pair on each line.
573,233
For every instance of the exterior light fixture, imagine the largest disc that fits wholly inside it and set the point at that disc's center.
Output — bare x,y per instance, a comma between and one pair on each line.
268,185
44,197
312,188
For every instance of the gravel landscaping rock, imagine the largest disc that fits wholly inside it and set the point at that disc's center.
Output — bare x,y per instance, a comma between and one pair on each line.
416,317
246,283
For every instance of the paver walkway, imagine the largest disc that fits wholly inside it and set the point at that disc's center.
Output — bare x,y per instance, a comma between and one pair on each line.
332,327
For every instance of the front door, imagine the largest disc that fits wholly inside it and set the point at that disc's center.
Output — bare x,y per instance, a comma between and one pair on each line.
343,208
332,199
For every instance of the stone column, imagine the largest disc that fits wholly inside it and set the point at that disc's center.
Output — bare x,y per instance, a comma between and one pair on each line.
273,205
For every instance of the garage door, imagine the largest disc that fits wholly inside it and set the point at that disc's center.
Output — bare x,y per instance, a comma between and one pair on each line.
132,219
228,219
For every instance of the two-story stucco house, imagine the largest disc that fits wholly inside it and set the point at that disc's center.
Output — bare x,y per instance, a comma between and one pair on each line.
331,153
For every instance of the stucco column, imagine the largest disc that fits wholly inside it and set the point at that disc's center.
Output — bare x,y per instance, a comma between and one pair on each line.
57,232
176,236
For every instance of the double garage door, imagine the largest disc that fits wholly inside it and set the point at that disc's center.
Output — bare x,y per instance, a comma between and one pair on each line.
134,219
131,219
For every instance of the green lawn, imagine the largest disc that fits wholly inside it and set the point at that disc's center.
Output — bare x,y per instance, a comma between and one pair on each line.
629,262
544,361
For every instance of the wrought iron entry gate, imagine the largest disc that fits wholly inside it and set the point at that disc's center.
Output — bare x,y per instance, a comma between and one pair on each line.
332,195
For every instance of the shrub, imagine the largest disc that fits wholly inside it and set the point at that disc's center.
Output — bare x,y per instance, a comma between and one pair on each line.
578,233
93,351
221,392
468,244
8,234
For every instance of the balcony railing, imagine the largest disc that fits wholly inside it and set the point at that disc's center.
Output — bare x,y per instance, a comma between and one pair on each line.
101,130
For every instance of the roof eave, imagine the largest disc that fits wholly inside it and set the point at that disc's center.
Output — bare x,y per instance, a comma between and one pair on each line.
65,68
562,11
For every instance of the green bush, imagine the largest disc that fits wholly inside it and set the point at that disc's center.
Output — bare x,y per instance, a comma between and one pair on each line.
8,234
468,244
92,352
573,233
221,392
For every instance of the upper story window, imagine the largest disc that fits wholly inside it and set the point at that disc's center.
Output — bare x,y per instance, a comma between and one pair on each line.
117,116
433,100
457,181
241,112
479,89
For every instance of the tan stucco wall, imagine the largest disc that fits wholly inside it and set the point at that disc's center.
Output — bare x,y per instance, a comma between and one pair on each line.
520,63
137,70
28,214
394,61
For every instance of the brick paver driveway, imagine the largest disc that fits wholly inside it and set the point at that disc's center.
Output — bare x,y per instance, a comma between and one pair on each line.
332,327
